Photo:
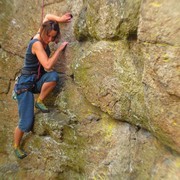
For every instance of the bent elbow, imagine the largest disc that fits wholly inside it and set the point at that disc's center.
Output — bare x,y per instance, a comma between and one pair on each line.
47,66
46,18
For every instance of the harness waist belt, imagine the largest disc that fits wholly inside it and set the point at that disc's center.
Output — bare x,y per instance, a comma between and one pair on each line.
19,91
26,72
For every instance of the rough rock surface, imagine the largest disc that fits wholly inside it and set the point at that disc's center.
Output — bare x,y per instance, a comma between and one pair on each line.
115,113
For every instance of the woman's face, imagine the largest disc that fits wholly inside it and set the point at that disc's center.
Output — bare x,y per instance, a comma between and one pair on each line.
49,37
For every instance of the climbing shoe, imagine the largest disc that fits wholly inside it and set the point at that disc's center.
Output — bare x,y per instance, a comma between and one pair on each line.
20,153
40,105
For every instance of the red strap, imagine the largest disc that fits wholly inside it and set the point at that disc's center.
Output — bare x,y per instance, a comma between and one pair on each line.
39,71
42,12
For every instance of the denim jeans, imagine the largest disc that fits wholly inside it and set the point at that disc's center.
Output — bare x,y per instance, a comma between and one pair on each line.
26,99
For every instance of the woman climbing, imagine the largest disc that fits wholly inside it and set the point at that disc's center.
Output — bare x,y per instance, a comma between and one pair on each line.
37,75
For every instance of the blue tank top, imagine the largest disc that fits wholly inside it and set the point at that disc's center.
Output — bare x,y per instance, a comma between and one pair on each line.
31,62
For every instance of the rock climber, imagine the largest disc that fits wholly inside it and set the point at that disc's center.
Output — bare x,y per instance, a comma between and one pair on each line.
37,75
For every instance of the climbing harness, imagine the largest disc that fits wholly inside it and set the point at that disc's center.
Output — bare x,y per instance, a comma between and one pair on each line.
28,86
25,72
14,94
22,90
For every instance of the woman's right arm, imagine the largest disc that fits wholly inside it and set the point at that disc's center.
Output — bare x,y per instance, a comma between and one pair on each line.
66,18
63,19
46,62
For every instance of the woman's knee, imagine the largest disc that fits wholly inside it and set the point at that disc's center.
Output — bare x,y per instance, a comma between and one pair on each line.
26,127
53,77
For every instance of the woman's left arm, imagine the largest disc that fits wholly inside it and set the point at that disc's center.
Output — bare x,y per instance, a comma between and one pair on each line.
64,19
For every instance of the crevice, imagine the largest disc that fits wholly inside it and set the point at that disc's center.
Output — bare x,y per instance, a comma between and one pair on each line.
158,43
138,128
12,53
130,151
132,36
72,76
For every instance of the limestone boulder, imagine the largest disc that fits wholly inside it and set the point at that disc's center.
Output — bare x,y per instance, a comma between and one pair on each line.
161,86
110,80
105,19
115,78
159,22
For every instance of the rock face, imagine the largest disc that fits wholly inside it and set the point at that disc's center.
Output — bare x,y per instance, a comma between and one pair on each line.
117,115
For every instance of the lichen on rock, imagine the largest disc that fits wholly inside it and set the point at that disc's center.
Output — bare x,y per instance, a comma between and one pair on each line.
115,111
